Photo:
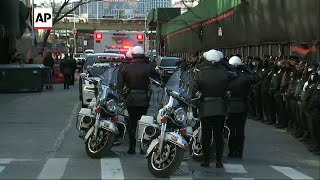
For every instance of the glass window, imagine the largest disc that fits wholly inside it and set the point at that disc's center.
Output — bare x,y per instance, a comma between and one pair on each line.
169,62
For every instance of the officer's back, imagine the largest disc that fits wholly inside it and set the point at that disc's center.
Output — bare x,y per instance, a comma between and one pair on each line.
212,81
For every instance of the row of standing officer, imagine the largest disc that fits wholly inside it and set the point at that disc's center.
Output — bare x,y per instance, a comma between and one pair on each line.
288,96
224,88
213,107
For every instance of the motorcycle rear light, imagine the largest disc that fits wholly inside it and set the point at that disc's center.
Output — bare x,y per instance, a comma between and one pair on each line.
98,110
116,119
164,120
183,132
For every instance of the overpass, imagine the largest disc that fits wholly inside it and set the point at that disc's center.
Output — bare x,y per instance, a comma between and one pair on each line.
91,26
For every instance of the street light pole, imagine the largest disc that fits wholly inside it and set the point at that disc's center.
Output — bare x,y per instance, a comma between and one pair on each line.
33,33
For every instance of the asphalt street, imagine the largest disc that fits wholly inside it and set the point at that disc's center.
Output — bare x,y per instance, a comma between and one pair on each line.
39,141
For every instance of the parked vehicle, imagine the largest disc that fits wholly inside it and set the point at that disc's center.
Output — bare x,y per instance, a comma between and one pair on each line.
117,41
94,66
166,67
89,51
80,59
166,138
73,18
102,125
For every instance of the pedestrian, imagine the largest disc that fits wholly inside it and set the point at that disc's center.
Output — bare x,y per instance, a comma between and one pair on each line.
237,106
66,68
74,67
135,76
212,81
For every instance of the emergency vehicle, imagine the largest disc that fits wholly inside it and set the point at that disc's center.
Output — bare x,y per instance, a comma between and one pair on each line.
112,41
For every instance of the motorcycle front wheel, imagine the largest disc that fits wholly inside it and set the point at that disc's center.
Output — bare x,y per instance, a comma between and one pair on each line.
98,147
165,164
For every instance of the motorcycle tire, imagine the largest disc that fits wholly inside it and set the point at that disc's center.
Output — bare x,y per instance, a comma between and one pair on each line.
104,150
173,166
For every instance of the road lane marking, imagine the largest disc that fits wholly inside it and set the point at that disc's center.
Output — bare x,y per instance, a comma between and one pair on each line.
61,136
111,169
54,168
291,173
5,160
234,168
9,160
242,178
2,168
185,176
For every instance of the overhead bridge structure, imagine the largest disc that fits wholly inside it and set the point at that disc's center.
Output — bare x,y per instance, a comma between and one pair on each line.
130,25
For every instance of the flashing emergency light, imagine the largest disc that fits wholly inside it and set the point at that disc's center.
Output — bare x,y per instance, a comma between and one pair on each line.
140,37
98,36
126,47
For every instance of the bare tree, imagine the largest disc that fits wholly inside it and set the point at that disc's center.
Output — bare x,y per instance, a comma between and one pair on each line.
59,16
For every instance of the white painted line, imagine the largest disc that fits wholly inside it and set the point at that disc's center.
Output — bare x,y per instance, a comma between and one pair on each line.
5,160
234,168
242,178
54,168
185,176
9,160
111,169
1,168
291,173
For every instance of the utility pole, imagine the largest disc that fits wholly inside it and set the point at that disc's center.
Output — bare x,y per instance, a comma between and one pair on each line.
33,33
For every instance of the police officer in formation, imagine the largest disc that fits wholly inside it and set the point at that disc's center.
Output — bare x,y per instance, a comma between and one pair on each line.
212,80
289,87
237,105
135,76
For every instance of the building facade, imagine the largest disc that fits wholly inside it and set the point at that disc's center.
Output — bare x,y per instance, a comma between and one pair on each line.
146,5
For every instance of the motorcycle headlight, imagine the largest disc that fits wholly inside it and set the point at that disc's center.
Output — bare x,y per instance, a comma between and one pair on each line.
180,115
111,105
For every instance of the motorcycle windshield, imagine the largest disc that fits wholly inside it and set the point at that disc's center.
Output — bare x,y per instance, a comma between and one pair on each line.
110,77
176,83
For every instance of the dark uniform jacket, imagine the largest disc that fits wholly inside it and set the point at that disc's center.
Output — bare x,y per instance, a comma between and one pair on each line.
135,76
212,81
67,66
314,103
239,90
48,62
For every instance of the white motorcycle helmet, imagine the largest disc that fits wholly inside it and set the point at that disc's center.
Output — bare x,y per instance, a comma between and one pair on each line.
213,56
235,61
137,50
129,54
204,54
221,54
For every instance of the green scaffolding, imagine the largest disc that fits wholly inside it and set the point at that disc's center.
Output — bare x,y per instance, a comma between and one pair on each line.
205,10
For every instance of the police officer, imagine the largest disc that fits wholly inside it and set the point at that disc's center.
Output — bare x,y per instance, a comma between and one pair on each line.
257,91
314,108
212,81
135,76
237,106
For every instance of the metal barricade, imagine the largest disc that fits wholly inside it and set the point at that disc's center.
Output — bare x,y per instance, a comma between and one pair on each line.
47,77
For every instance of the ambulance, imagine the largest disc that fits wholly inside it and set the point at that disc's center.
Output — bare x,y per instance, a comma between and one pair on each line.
112,41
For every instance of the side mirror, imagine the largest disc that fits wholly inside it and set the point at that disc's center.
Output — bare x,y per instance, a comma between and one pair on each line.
198,94
83,75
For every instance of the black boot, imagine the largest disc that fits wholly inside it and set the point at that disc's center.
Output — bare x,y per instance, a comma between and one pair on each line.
131,150
219,164
206,158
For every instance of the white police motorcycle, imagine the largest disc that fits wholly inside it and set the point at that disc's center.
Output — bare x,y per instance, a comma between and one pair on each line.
104,124
165,138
